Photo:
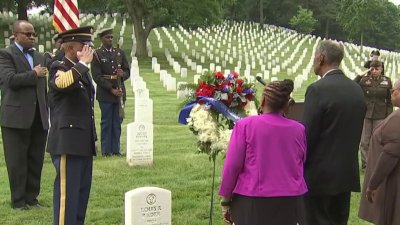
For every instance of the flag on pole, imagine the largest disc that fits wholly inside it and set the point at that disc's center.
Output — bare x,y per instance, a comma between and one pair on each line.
66,15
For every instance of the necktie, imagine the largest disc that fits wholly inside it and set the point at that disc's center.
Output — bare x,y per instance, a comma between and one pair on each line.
28,51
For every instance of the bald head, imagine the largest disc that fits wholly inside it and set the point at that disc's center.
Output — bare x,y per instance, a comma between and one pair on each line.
332,51
19,25
24,33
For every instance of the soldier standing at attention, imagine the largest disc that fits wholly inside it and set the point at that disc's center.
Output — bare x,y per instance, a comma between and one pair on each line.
110,69
71,140
58,54
376,87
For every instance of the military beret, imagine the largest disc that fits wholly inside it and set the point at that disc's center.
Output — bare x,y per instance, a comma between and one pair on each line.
80,34
105,32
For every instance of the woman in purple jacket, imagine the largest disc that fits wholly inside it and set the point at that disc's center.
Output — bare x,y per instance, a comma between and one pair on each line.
262,179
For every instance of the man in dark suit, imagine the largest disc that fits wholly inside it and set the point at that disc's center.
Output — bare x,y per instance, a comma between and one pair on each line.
23,115
110,69
71,141
333,116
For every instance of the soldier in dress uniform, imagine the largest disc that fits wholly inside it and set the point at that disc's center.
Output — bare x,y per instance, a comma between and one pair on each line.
58,55
110,69
72,136
377,94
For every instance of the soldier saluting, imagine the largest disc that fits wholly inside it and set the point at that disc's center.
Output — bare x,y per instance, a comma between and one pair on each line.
72,136
110,69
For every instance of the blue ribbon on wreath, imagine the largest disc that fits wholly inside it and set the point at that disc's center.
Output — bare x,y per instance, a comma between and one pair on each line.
214,103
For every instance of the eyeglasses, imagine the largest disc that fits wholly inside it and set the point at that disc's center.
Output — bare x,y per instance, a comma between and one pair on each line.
109,37
28,34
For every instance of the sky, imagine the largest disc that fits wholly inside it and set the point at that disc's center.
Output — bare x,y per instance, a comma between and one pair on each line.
396,2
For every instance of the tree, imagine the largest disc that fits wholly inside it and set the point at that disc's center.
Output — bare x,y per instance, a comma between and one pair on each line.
325,12
357,16
21,6
148,14
304,21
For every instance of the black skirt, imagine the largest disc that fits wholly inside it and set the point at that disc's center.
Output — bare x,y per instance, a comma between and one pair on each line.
267,211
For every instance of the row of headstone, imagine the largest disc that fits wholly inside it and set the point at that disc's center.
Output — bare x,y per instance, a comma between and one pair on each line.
140,132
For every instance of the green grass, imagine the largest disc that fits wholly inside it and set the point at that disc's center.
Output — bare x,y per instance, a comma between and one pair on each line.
177,166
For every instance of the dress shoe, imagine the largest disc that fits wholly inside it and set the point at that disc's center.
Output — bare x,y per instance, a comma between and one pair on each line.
35,206
117,154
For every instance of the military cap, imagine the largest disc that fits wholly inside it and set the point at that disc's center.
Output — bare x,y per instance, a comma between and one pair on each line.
80,34
105,32
375,52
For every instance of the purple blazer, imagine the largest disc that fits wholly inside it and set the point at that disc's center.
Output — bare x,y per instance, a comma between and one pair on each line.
265,158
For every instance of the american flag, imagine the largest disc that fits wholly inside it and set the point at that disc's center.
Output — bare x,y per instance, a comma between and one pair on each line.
66,15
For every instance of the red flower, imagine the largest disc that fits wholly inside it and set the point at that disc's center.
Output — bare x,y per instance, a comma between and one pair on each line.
235,74
239,82
239,89
219,75
250,97
205,91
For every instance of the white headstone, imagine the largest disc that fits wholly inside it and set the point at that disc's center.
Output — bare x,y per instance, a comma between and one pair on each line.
171,84
153,62
139,145
142,93
148,206
199,69
163,73
41,48
196,78
212,66
157,68
48,44
184,72
166,78
144,110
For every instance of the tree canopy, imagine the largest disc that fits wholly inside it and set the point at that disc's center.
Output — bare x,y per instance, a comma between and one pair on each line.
304,21
372,22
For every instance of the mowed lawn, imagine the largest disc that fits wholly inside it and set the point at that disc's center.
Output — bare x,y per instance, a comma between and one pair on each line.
177,166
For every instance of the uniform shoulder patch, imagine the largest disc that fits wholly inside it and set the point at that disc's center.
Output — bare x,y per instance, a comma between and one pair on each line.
57,65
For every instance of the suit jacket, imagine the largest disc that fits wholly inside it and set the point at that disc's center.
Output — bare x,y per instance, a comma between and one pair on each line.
21,89
71,94
105,63
333,116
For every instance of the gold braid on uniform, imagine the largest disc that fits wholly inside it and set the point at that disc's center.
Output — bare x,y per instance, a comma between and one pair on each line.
65,79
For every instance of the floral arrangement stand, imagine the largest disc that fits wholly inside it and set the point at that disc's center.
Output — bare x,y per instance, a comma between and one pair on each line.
212,109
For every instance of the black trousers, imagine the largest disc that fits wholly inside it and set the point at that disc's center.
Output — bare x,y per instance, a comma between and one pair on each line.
327,209
71,188
267,210
24,154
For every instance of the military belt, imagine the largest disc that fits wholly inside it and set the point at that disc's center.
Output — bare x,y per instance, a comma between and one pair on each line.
110,77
